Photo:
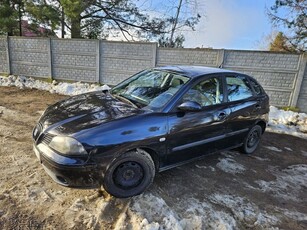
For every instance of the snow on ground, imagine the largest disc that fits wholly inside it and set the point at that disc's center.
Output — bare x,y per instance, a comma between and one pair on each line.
273,148
54,87
287,122
151,212
291,178
244,211
280,121
229,165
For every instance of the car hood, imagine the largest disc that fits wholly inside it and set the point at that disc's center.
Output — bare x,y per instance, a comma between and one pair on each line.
84,111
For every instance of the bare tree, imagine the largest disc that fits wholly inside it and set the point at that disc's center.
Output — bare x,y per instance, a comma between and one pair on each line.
292,14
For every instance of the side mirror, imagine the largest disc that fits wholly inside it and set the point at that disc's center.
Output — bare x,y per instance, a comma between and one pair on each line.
189,106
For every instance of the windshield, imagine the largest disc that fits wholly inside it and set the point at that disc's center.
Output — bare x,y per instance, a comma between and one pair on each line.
150,89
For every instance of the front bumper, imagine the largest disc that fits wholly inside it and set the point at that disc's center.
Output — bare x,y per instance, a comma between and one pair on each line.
68,171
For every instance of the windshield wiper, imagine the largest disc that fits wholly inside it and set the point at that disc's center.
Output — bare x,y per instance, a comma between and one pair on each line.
124,99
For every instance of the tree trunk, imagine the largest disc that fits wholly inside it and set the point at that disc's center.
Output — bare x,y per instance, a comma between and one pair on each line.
62,23
175,22
19,18
76,27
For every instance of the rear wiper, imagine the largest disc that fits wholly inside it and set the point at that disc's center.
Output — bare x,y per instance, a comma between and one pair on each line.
124,99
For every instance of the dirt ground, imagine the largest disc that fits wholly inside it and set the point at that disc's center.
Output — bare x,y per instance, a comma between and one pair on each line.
228,190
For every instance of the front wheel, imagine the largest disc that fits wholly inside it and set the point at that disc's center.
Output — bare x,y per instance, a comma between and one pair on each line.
252,140
130,174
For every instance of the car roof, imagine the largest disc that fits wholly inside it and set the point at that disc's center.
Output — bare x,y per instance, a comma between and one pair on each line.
194,71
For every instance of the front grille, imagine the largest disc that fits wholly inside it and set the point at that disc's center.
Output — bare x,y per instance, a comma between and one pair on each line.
46,139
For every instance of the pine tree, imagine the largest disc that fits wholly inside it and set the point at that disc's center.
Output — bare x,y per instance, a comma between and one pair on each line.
281,43
10,17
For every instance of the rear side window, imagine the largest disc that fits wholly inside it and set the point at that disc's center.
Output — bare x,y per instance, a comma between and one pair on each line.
238,88
256,86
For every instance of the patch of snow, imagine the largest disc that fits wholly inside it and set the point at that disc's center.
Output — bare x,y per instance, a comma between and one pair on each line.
261,159
288,182
229,165
151,212
204,167
212,168
244,211
289,149
202,215
200,166
295,215
287,122
273,148
304,153
230,154
54,87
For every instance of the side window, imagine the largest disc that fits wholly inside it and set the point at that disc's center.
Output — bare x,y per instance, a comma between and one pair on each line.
238,88
207,92
256,86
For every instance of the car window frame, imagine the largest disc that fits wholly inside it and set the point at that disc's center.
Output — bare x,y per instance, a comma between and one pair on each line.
250,79
226,90
193,83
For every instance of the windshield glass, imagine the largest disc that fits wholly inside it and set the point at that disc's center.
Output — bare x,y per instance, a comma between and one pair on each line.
151,89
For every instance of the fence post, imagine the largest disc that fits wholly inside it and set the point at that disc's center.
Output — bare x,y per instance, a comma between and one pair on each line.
49,53
154,54
220,58
300,75
98,61
8,57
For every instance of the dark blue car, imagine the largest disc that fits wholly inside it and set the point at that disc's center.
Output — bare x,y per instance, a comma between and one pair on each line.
155,120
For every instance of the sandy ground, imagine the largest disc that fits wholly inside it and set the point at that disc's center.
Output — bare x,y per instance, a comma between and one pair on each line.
228,190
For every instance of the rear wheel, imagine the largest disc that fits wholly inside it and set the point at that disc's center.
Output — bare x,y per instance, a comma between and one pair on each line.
252,140
130,174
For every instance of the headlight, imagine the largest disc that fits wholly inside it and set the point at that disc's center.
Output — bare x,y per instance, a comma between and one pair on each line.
67,146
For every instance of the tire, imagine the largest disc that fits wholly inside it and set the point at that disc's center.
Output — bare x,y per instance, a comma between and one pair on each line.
130,174
252,140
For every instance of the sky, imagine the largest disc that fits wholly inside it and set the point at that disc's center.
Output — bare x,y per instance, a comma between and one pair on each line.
229,24
224,24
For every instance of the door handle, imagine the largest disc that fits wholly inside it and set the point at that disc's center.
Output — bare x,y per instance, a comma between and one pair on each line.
257,107
221,116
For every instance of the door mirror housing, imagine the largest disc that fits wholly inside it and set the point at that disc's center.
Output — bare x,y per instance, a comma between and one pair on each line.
189,106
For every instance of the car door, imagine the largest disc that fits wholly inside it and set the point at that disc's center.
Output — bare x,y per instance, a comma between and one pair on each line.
195,133
243,106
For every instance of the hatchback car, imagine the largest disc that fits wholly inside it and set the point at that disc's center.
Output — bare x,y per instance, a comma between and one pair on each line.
155,120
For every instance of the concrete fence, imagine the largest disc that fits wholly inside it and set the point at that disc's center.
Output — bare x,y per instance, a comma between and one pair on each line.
284,76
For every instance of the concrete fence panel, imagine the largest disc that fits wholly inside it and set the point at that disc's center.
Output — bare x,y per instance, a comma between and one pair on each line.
4,62
302,96
75,59
205,57
277,72
29,56
119,60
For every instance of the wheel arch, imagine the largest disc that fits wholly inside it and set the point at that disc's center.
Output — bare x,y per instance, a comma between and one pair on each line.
152,153
154,156
262,124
